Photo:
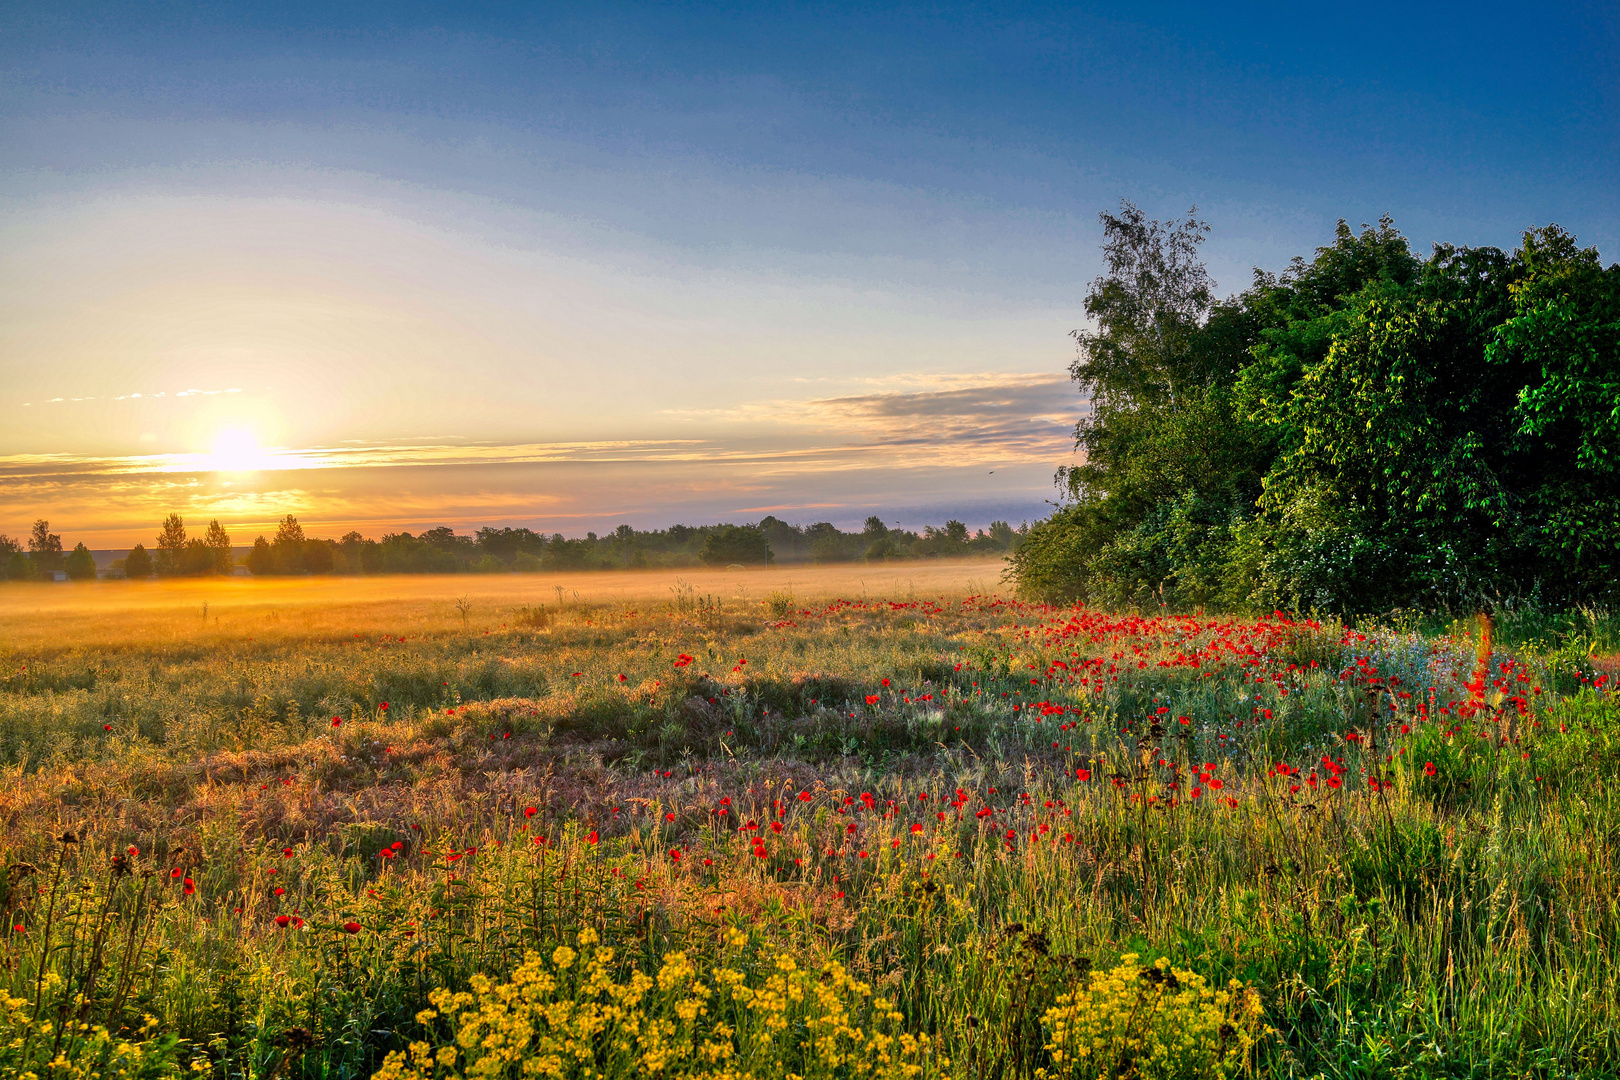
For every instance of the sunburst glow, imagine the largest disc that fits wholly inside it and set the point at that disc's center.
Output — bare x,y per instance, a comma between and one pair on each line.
237,450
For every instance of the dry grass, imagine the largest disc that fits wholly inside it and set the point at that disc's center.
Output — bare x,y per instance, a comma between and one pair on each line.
115,613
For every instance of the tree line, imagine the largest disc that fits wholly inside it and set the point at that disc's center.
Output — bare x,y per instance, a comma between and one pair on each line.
1368,430
490,550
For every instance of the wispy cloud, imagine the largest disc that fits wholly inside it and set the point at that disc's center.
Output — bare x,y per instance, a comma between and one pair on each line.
139,396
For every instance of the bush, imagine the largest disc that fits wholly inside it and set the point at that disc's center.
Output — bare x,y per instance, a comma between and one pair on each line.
1152,1022
569,1015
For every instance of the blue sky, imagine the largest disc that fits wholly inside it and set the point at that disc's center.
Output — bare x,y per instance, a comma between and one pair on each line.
820,259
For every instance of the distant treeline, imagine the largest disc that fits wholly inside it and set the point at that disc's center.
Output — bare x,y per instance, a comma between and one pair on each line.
444,551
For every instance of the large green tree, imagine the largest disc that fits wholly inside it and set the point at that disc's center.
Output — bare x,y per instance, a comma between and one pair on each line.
1369,429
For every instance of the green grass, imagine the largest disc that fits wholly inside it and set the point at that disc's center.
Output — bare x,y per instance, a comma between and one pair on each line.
1459,923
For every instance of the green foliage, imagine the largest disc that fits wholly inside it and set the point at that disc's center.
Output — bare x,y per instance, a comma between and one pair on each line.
877,804
13,563
1370,431
80,564
44,549
736,544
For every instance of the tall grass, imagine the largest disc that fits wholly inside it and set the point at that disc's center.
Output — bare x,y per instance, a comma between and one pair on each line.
971,809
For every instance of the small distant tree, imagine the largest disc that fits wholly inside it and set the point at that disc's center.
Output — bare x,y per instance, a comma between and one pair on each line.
319,556
196,558
882,548
138,563
80,564
288,546
261,560
729,544
10,551
171,545
44,547
219,546
827,544
874,528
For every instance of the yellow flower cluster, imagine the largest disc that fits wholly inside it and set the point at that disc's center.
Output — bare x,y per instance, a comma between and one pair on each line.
570,1017
1152,1023
34,1049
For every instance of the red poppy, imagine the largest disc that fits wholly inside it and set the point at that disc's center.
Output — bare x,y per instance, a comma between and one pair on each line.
286,853
1082,774
592,838
175,873
530,811
106,727
351,927
278,890
189,886
623,678
283,920
871,699
1428,767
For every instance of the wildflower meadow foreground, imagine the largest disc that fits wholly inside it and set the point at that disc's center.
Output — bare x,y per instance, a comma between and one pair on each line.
936,836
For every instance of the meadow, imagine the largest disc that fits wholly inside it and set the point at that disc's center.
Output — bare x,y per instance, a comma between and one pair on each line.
833,821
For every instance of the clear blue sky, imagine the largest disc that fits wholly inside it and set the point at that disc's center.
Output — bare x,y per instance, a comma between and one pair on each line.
821,258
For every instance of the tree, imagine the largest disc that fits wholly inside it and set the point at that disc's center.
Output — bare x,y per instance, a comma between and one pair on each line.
288,546
1148,307
882,548
171,543
44,548
729,544
261,560
137,564
1564,333
218,542
80,564
13,563
197,558
1367,430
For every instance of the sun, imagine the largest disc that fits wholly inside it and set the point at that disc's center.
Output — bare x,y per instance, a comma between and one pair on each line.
237,450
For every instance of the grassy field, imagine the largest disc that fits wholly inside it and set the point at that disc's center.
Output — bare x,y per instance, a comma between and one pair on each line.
819,822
